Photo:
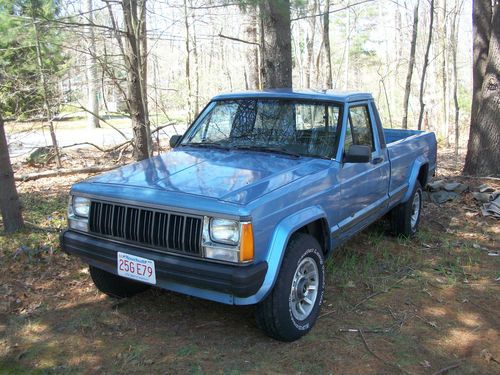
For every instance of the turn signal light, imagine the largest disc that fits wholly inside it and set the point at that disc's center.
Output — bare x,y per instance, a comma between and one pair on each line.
246,244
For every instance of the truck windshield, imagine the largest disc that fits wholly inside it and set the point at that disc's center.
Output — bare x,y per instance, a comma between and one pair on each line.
280,126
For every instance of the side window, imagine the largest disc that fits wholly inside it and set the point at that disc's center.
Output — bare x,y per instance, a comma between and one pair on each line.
359,130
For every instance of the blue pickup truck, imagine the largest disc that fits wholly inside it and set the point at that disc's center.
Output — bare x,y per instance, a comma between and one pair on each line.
250,201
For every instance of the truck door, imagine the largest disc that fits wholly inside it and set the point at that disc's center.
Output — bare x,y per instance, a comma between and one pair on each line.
363,186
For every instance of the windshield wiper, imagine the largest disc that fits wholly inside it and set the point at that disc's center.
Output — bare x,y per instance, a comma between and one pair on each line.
271,149
207,145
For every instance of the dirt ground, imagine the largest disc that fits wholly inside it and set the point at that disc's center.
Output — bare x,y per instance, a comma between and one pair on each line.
426,305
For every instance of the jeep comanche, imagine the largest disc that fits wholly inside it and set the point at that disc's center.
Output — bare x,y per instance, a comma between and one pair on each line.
250,201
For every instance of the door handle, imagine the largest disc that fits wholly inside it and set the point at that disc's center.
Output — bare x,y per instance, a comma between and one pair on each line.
377,160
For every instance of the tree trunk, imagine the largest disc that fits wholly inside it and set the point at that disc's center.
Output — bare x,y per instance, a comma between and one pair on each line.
326,38
188,65
143,48
481,30
135,102
454,46
48,112
10,206
483,151
424,69
196,72
347,47
444,74
252,51
277,44
310,45
410,67
91,69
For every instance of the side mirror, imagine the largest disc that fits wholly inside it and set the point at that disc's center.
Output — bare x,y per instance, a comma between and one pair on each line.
174,140
358,154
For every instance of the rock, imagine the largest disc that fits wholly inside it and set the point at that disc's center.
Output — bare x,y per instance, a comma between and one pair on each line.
492,208
436,185
485,189
40,155
457,187
451,186
443,196
482,197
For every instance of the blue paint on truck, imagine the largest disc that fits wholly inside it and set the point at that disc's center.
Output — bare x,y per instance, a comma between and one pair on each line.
278,191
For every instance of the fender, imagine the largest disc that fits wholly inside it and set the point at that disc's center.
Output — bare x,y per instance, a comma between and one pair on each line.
415,169
279,241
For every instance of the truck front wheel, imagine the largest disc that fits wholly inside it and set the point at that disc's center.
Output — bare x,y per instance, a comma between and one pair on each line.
114,285
405,217
292,307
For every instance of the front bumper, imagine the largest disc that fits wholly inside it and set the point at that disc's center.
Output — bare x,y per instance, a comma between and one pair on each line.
200,277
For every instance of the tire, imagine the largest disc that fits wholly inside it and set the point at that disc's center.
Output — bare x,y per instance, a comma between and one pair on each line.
115,286
279,315
406,216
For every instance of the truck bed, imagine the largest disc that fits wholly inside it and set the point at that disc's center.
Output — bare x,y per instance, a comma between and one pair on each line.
395,135
405,147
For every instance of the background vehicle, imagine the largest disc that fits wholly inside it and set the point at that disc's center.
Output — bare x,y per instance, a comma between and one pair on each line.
251,200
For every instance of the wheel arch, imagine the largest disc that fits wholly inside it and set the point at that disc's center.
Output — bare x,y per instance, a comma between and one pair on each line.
319,230
420,173
311,220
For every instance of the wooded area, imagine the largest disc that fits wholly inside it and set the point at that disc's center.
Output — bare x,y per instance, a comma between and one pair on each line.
156,61
87,86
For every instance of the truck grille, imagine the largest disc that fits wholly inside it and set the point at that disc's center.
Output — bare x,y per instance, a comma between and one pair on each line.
163,231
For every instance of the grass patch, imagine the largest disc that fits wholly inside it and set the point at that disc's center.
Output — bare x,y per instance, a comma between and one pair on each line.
187,350
11,367
370,259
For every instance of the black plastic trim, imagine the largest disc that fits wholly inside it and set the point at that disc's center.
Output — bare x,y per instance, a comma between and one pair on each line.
237,280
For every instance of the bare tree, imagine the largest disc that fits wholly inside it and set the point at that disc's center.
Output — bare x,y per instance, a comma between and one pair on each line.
426,64
189,94
136,103
482,14
444,70
411,64
252,52
310,45
347,47
45,90
276,43
326,43
10,205
483,152
454,47
91,70
196,70
143,43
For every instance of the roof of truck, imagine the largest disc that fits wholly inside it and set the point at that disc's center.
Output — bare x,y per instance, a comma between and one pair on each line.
330,95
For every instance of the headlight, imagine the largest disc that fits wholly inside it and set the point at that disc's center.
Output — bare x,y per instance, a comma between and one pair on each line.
81,206
227,240
225,231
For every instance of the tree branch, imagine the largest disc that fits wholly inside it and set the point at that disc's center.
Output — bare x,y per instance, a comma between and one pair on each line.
331,11
64,172
239,40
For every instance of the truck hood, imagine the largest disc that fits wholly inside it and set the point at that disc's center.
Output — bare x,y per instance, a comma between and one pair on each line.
232,176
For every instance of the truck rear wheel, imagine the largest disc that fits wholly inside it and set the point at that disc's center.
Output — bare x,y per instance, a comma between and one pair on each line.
406,216
114,285
292,307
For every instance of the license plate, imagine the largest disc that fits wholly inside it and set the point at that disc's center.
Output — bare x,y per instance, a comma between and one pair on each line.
137,268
